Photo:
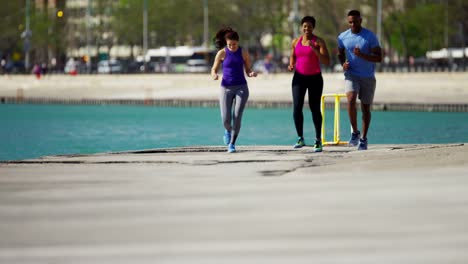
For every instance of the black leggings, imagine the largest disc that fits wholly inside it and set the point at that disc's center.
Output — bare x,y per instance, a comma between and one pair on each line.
314,85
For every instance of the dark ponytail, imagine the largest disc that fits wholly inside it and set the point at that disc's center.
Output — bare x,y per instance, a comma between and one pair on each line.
222,35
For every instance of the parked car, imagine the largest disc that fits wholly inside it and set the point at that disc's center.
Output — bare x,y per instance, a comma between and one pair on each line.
14,67
109,66
197,65
135,67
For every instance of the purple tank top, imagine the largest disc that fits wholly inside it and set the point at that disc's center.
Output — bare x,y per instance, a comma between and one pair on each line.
233,68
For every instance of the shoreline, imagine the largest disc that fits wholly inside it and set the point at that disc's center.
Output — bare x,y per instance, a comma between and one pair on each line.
440,91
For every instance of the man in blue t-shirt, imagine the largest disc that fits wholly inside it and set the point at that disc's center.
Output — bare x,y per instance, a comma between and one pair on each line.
358,51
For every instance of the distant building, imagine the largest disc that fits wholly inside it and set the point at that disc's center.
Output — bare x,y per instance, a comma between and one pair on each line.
41,4
88,26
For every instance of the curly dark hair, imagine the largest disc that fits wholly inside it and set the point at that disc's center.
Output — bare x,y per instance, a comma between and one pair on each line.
222,35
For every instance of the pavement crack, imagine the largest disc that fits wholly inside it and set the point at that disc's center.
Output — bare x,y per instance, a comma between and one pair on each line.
422,147
308,163
270,173
217,162
87,162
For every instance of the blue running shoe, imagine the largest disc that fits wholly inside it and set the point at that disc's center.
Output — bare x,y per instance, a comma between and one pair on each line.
354,141
227,137
300,143
318,146
362,144
231,148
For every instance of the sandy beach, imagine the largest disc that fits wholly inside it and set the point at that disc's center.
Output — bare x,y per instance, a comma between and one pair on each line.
419,88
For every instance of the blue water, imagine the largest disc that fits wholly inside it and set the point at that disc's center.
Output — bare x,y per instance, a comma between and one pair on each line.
31,131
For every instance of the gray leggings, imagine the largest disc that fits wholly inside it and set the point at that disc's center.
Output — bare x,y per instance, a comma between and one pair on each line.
238,96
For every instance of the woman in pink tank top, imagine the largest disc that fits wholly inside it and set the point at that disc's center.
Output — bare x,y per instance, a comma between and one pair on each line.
307,52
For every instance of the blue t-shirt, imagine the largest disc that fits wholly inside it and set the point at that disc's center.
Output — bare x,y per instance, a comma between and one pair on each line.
365,40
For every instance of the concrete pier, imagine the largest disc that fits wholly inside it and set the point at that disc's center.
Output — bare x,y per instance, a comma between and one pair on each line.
391,204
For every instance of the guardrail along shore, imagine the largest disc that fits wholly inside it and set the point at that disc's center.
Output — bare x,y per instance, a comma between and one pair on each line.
214,103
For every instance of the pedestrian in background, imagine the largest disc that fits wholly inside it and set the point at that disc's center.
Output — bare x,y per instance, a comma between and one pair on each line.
307,52
234,89
37,71
44,69
358,51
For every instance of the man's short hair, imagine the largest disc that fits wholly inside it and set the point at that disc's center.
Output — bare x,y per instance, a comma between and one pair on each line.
354,13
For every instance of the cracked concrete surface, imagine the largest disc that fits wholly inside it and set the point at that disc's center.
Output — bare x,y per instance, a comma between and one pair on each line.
264,204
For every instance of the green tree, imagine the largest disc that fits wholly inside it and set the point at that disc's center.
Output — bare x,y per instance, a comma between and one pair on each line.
416,30
47,37
12,24
459,17
43,35
128,23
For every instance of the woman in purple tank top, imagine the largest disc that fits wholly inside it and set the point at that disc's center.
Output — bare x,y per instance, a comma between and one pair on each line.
234,89
307,52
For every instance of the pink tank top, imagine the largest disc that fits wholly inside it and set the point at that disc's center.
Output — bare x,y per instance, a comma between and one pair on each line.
307,62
